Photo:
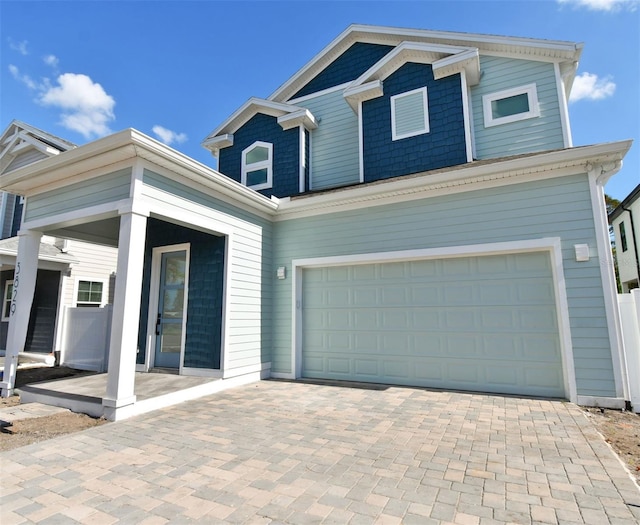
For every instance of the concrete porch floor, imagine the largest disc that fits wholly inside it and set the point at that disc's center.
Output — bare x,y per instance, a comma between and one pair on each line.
84,393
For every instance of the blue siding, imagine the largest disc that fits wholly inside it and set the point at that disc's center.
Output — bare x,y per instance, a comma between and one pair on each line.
443,146
348,66
286,154
523,136
204,309
547,208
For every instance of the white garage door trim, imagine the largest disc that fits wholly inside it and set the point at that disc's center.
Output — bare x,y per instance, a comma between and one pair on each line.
551,245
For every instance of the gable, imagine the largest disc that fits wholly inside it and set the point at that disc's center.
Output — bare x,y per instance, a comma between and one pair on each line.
285,149
443,143
347,67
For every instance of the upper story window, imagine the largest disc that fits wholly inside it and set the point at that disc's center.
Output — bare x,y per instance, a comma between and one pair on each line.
409,114
257,166
6,304
90,293
510,105
623,237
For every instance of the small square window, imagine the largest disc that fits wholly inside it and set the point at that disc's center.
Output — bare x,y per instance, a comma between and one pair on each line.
6,304
257,166
90,293
510,105
409,114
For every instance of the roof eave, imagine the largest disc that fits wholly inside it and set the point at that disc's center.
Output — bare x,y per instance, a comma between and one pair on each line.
582,157
124,145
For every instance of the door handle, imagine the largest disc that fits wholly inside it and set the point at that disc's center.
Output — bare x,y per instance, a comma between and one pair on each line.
158,321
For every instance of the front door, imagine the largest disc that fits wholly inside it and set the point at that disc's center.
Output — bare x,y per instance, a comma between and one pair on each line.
171,309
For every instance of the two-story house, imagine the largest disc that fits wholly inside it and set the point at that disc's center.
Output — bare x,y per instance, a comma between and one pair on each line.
406,209
625,220
70,273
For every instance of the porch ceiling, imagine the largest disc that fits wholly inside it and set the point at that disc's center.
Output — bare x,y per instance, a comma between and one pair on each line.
103,232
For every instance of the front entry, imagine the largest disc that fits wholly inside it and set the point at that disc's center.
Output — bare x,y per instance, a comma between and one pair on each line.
171,310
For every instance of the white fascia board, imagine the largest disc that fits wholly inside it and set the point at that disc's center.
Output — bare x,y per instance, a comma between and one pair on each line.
127,145
215,144
62,144
246,111
467,61
301,117
562,51
360,93
406,52
569,161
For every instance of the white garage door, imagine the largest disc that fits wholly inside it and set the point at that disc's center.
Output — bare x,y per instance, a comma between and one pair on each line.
475,323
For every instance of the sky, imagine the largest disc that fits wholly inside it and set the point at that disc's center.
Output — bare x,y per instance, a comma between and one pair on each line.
175,70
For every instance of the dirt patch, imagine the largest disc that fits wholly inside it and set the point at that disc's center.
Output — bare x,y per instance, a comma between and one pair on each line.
622,431
27,431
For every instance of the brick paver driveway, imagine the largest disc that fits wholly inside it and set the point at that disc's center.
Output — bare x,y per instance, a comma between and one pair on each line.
280,452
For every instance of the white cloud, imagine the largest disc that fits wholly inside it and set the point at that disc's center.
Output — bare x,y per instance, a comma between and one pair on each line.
51,60
86,107
602,5
20,47
167,136
25,79
588,86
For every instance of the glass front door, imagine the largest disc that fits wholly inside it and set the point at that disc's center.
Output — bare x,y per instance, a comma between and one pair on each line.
171,305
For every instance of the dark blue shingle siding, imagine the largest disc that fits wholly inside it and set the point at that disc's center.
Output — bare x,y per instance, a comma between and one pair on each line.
206,278
443,146
348,66
286,153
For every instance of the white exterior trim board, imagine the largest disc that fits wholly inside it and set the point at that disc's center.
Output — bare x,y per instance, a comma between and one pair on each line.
609,288
564,109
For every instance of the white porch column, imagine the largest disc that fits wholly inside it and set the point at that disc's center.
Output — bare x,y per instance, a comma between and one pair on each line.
126,315
24,285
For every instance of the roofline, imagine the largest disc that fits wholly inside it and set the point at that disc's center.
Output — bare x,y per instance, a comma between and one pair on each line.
628,201
571,160
120,146
58,141
562,51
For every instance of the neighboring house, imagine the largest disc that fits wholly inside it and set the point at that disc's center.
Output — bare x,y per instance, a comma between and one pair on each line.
70,273
420,217
625,220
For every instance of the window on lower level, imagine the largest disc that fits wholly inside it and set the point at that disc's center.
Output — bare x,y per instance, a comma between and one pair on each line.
510,105
90,293
409,114
257,166
6,304
623,237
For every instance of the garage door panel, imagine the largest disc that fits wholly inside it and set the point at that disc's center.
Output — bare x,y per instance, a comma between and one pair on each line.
474,323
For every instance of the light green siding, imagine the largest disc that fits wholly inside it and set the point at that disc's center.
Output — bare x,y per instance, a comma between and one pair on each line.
334,144
534,134
24,159
549,208
250,274
100,190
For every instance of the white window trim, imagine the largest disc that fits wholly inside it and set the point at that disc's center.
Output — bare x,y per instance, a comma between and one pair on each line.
76,286
268,164
5,299
425,103
534,108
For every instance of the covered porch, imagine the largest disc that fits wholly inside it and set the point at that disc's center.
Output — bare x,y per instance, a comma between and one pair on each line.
190,287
